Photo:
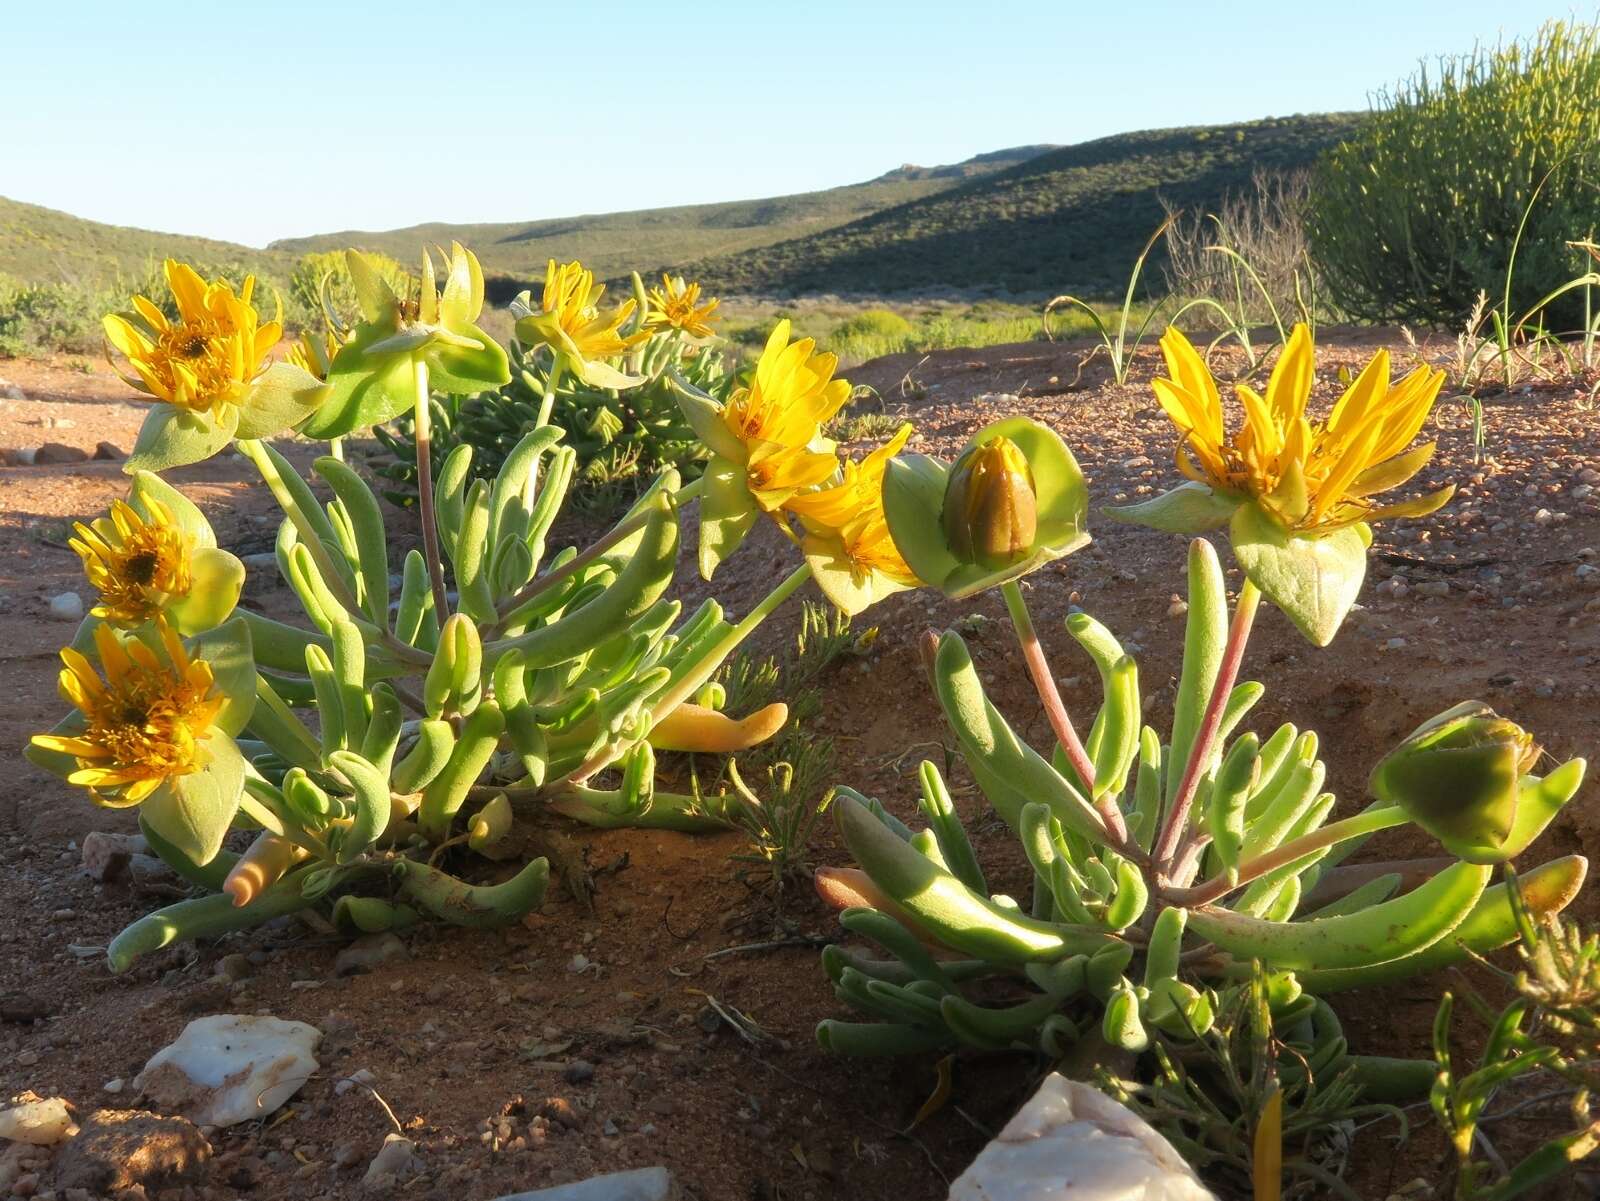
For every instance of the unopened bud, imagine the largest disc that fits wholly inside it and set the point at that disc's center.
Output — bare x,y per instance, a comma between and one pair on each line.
991,512
1458,776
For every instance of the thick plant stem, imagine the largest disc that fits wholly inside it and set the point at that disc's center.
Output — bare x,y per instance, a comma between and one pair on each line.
1055,708
1251,870
1177,824
537,586
423,428
692,680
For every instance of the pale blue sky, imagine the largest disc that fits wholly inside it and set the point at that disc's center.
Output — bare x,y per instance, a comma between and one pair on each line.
253,122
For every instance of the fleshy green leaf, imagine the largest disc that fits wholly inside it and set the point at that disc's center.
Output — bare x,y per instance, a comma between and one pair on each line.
727,512
174,437
363,390
194,812
216,579
913,499
228,651
1190,508
462,370
281,397
1313,580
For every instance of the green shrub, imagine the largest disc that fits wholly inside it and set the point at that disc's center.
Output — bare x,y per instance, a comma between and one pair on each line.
41,318
307,290
879,323
1419,211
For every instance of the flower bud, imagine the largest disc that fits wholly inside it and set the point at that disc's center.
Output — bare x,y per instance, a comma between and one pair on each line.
990,507
1458,777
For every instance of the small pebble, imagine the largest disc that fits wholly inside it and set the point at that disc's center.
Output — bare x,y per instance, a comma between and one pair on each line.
66,606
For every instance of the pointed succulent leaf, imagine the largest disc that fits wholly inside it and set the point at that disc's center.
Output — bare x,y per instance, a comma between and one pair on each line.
1190,508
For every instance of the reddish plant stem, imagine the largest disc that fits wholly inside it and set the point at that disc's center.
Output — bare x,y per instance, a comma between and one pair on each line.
1244,615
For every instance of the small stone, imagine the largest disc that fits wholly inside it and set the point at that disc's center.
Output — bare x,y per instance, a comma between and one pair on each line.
115,1085
10,391
1136,462
59,452
27,1059
578,1072
41,1121
1394,644
66,606
395,1162
1433,588
235,967
346,1156
357,1078
1071,1132
368,953
560,1110
124,1148
231,1068
1589,475
108,452
23,1007
1177,606
106,856
641,1184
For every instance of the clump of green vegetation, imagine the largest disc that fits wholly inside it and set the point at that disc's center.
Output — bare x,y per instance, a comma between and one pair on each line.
321,281
40,318
1421,210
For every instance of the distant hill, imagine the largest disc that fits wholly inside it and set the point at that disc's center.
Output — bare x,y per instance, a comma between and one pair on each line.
613,244
41,245
1026,219
1070,218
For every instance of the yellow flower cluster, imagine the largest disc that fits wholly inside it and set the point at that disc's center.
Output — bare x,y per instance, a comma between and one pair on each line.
791,468
134,564
1314,477
676,305
209,356
146,724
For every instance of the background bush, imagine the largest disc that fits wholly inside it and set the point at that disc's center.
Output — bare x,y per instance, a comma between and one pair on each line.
1417,212
306,283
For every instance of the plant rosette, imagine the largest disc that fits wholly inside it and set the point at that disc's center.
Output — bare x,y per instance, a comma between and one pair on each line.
1013,500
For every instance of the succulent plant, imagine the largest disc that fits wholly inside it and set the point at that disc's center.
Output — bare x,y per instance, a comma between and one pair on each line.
1113,940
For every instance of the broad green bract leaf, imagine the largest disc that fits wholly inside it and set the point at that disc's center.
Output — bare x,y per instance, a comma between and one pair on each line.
174,437
360,392
704,414
727,513
216,579
281,397
1313,580
228,651
913,497
1190,508
464,370
195,812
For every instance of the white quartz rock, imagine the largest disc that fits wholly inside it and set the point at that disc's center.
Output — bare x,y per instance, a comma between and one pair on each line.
1071,1142
41,1121
231,1068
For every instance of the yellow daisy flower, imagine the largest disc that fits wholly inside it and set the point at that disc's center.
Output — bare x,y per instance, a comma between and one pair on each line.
1312,477
791,396
847,539
147,723
676,305
135,565
206,359
570,322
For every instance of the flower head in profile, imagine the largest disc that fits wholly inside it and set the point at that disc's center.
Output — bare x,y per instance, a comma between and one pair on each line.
430,335
147,723
676,305
570,321
149,558
314,354
208,357
766,442
846,536
1311,477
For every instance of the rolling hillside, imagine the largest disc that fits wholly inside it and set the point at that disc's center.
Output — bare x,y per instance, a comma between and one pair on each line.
40,245
1073,218
612,244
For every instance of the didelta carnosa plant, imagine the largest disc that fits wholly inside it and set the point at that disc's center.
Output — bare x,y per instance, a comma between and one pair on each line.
413,715
1165,863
